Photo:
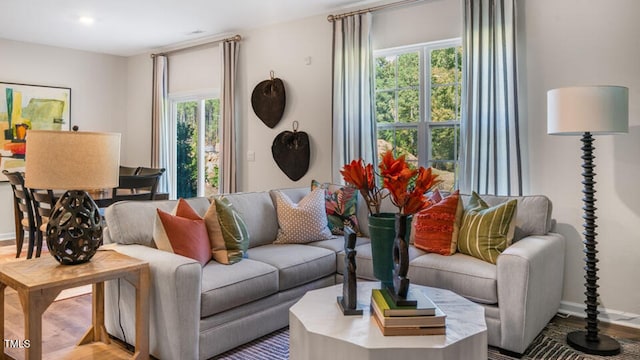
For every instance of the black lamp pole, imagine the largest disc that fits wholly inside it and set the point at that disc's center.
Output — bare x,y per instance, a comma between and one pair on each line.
590,341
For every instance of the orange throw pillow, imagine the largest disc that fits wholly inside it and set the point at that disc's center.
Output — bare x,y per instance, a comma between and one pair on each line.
183,233
436,227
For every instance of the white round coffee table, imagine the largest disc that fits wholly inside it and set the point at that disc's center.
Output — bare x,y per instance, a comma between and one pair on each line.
318,330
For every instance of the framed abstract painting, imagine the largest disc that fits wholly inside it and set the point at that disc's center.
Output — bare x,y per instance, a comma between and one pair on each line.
24,107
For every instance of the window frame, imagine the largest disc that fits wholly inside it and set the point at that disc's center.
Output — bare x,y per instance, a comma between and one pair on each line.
200,96
424,125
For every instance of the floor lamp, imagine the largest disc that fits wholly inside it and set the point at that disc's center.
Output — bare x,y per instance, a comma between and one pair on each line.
587,111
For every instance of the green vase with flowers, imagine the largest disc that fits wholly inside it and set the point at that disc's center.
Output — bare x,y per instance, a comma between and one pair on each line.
406,188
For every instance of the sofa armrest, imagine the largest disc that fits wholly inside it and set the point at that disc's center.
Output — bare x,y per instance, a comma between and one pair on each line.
174,303
530,280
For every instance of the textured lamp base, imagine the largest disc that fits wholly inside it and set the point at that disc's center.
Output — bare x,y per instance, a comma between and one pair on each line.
74,230
590,341
604,346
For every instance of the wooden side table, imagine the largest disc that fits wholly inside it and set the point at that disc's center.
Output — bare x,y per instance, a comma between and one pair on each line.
39,281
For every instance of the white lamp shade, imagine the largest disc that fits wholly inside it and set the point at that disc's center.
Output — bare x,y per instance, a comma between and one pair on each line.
594,109
65,160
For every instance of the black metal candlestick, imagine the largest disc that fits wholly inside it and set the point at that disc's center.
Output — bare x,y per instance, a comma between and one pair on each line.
590,341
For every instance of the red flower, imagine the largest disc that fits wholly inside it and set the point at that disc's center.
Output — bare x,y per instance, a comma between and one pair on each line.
362,178
397,177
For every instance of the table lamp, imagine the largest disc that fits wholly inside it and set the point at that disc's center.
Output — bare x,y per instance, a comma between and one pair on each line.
587,111
73,161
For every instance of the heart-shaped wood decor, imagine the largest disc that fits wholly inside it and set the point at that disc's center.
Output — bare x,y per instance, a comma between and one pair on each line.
292,152
268,100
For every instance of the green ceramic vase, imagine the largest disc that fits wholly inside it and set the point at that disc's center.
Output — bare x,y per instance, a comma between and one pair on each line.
382,232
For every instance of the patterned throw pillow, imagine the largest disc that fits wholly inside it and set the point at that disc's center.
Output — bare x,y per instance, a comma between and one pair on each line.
341,204
303,222
183,232
436,227
227,232
486,231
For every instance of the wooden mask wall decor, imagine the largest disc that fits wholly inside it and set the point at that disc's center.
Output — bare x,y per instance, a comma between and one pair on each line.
268,100
291,151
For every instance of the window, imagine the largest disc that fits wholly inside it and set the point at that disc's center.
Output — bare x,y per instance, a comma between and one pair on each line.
197,145
417,105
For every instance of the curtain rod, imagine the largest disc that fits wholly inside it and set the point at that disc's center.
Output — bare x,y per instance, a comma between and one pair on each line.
233,38
332,18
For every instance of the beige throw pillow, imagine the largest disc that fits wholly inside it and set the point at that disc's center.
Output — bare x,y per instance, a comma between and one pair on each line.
303,222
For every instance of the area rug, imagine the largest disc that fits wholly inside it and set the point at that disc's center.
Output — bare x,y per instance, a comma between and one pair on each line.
549,345
8,254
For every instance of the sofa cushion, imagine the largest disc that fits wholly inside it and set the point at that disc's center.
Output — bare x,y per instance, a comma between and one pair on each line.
301,222
183,232
229,237
228,286
364,264
533,216
486,231
297,264
435,229
259,214
130,222
341,203
463,274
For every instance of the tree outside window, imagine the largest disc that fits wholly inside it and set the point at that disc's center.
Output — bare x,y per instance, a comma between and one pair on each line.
197,147
417,105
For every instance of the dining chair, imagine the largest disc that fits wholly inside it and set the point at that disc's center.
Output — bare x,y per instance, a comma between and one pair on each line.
128,170
149,171
136,187
23,210
43,202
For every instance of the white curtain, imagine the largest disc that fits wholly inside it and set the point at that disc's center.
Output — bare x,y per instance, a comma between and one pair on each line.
160,131
490,161
229,51
353,124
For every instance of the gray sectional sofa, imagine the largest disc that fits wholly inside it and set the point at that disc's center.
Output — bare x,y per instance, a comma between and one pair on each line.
198,312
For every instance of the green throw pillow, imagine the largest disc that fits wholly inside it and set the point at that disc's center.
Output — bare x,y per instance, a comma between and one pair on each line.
486,231
234,231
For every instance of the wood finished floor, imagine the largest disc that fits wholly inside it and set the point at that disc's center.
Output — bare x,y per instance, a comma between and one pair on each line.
65,321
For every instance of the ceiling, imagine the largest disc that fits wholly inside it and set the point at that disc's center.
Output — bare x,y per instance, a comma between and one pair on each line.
130,27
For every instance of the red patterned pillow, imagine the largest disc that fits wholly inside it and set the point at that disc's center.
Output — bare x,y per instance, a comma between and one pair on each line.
436,227
183,233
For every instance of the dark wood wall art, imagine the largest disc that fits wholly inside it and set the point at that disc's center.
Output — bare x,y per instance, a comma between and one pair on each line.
292,152
268,100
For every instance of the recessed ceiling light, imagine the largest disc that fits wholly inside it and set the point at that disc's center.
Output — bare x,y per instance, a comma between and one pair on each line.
195,32
86,20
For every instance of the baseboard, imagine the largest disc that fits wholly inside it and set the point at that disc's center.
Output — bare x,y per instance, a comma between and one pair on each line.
606,315
7,236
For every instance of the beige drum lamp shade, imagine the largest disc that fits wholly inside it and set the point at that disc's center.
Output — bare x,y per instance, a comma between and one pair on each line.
72,160
593,109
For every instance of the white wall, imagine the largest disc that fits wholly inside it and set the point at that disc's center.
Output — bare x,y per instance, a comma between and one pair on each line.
575,42
97,85
283,48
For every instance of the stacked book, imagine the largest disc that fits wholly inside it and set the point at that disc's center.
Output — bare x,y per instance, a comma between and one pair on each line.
423,319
